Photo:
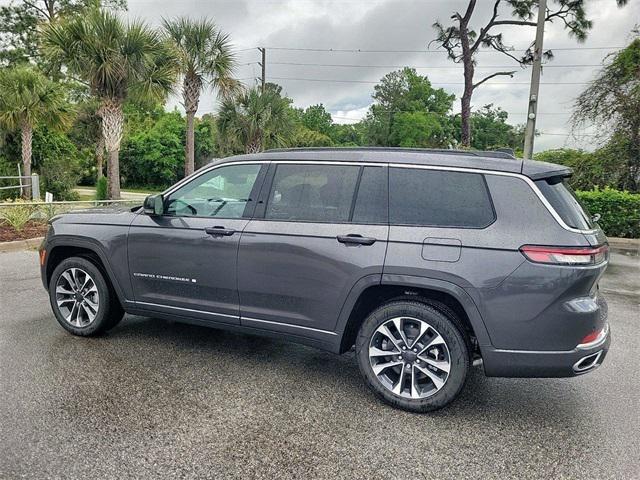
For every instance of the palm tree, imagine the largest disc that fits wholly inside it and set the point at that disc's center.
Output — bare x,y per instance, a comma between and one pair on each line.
205,59
254,120
117,61
28,100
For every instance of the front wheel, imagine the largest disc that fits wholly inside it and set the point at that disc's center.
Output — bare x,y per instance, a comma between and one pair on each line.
81,299
413,356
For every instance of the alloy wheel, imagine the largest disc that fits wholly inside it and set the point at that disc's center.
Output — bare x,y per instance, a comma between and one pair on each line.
409,357
77,297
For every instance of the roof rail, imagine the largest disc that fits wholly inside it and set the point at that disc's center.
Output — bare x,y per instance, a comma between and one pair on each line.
442,151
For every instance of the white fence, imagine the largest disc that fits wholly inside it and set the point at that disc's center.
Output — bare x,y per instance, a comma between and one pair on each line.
32,181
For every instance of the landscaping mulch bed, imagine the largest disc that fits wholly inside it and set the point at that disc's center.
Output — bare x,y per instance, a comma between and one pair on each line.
30,230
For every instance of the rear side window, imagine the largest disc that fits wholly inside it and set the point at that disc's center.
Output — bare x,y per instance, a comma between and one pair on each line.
439,198
312,193
564,202
371,201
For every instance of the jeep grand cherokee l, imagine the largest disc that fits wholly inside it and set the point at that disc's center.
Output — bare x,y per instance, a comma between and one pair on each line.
425,261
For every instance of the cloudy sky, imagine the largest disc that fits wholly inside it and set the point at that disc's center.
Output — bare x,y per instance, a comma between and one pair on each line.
405,27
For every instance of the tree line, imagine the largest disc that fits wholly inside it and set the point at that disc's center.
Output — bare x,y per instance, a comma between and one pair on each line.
82,84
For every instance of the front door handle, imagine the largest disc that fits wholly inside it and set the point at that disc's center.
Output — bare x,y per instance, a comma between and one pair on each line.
356,239
219,231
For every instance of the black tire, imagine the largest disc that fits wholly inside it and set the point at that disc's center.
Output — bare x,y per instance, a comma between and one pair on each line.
109,311
445,322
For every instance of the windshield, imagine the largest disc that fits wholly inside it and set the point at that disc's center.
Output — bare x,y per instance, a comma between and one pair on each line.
564,201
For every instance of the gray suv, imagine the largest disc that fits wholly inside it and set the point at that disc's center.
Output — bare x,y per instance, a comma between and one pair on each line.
426,261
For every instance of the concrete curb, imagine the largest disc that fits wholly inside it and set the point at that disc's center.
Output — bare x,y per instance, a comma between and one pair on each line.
625,245
18,245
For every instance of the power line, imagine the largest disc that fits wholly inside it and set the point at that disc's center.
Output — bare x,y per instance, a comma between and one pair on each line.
371,82
360,50
416,66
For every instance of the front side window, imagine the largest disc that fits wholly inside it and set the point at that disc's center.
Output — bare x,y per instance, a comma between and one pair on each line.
438,198
312,193
222,192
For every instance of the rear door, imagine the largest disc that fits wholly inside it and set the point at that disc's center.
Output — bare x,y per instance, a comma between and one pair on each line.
319,229
442,227
185,261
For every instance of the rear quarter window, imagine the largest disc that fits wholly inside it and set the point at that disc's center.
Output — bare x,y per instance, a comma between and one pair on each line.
563,200
439,198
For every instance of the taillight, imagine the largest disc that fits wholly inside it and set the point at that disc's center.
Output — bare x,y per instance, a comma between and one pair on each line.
565,255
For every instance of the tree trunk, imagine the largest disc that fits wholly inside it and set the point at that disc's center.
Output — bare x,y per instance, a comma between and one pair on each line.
27,139
467,61
189,150
254,146
465,136
191,96
112,124
100,157
113,172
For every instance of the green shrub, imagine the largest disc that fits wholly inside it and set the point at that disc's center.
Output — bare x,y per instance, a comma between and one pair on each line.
620,211
101,188
17,216
46,211
57,160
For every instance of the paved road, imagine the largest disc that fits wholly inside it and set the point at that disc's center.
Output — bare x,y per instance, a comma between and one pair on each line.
156,398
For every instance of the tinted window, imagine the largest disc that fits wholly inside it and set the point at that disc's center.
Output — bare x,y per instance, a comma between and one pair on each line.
222,192
313,193
563,201
438,198
371,202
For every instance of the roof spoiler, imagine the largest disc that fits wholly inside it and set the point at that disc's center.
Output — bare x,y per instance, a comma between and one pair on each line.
537,170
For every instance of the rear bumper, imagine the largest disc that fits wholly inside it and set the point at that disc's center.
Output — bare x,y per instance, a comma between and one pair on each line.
544,364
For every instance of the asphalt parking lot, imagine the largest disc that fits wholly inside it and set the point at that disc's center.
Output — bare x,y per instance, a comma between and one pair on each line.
156,398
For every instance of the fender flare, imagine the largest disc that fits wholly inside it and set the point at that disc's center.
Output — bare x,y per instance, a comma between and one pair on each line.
95,247
443,286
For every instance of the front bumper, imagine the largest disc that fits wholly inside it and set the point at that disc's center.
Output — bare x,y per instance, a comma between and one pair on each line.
544,364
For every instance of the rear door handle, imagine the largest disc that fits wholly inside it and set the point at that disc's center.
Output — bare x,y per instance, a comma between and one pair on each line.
219,231
356,239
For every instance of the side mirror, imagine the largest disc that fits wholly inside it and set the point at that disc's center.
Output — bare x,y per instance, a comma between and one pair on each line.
153,205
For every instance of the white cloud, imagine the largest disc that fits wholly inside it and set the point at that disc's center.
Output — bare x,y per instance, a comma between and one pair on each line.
397,25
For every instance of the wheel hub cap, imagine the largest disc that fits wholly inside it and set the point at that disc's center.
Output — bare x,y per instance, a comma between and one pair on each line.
409,357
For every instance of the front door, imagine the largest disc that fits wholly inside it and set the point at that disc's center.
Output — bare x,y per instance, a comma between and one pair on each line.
318,230
184,262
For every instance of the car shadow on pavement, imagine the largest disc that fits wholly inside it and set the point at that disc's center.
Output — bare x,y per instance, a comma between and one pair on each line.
543,401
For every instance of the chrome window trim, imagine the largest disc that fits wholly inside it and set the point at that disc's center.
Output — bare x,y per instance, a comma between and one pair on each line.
392,164
190,178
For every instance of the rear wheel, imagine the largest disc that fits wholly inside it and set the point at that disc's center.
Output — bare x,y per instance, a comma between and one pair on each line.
81,299
414,356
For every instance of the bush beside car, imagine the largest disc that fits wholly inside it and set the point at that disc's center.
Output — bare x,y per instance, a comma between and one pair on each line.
619,211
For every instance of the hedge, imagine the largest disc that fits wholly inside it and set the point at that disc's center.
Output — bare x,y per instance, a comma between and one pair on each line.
620,211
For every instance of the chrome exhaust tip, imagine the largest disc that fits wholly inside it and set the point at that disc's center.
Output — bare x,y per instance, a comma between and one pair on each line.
587,363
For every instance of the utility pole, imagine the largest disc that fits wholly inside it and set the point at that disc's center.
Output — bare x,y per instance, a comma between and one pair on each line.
263,64
530,130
